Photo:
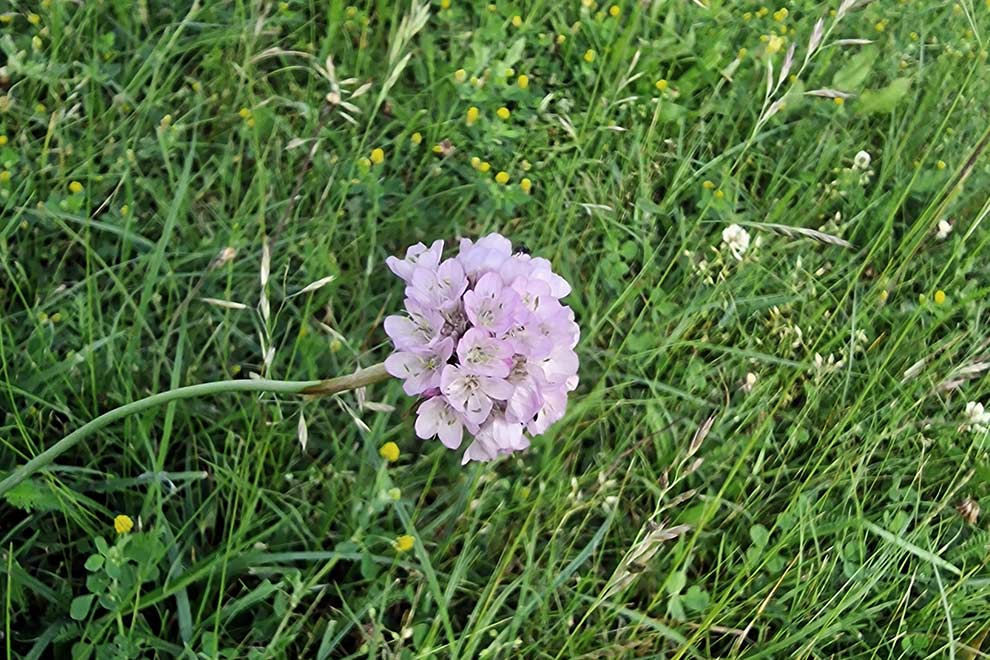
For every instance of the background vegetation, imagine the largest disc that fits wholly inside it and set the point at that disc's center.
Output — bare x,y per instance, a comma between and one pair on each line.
149,150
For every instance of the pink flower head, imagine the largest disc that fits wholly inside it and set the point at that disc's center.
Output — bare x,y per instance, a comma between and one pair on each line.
485,342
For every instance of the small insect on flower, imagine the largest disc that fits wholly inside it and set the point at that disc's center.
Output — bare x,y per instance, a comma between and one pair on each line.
377,155
589,56
389,451
123,524
512,362
736,239
404,543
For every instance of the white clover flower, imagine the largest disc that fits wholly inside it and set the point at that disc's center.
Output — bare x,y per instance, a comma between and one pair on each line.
736,239
977,419
749,382
862,160
944,229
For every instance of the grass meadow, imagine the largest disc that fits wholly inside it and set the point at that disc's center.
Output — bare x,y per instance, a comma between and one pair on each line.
774,219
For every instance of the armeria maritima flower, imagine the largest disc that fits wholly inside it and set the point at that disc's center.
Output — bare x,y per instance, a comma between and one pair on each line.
485,342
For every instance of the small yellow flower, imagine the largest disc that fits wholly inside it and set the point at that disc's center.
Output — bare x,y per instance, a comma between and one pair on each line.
940,164
389,451
719,194
517,21
377,155
75,187
560,39
614,11
780,14
589,56
485,166
3,140
5,176
526,185
526,166
364,163
444,4
404,543
503,113
6,19
249,122
460,75
33,19
884,295
838,100
509,72
502,177
351,11
661,85
708,185
394,494
742,53
748,16
472,115
416,138
125,210
880,26
243,112
475,162
774,44
939,297
522,81
914,36
123,524
36,42
762,11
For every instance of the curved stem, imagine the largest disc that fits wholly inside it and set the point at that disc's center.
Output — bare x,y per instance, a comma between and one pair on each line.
360,378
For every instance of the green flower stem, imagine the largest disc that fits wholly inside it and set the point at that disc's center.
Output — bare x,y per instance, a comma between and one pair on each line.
360,378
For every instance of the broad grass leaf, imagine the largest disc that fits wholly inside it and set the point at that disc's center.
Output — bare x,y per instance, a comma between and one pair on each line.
857,69
883,100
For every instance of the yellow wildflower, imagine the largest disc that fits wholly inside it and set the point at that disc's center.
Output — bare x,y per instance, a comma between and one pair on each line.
661,85
708,185
503,113
838,100
614,11
3,140
123,524
404,543
589,56
526,185
5,176
780,14
502,177
485,166
416,137
517,21
33,19
472,115
774,44
940,164
522,81
377,155
75,187
460,75
389,451
939,297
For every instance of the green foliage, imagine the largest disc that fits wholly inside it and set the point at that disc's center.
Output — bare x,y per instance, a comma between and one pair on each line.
817,518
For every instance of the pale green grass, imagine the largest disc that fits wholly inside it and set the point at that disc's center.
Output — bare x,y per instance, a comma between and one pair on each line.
816,519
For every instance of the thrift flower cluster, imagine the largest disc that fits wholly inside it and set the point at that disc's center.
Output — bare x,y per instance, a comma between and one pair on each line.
486,342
